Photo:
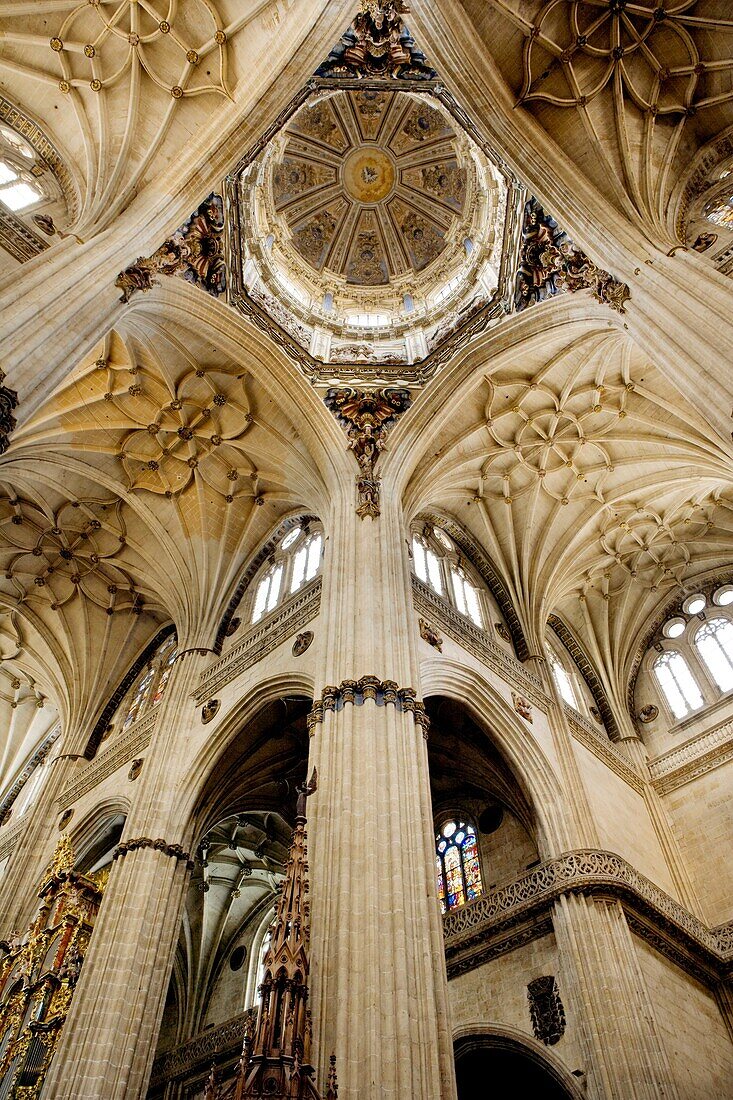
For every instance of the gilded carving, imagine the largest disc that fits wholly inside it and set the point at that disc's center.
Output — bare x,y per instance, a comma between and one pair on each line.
549,264
195,252
377,44
367,417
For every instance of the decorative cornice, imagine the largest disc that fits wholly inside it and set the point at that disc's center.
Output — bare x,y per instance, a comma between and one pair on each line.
480,560
17,239
588,673
367,415
121,690
260,640
29,767
597,743
695,758
484,928
34,135
175,851
125,747
11,835
357,692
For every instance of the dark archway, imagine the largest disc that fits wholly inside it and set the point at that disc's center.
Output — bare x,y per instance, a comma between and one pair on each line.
499,1067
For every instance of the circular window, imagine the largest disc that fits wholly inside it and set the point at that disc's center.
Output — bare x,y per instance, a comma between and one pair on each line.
443,539
693,605
237,957
674,628
449,828
290,538
723,595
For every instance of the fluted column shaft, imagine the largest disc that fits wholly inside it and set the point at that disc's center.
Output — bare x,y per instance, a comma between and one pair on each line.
625,1056
108,1042
379,990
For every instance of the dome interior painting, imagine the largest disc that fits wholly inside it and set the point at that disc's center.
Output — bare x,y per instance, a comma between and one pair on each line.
371,227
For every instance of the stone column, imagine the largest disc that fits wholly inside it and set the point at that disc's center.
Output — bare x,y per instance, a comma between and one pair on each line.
108,1043
604,991
379,989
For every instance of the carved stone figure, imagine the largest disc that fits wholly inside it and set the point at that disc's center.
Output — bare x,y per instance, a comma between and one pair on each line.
302,642
430,635
209,710
522,706
546,1010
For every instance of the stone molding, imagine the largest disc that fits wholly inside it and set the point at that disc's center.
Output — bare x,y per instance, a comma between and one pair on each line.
521,911
17,239
11,835
588,673
260,640
477,642
200,1051
598,743
357,692
124,748
176,851
696,757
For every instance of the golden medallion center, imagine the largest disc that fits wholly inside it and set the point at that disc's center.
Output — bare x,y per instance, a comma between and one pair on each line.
368,174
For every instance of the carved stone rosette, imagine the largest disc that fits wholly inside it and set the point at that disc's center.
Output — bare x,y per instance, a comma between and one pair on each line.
367,415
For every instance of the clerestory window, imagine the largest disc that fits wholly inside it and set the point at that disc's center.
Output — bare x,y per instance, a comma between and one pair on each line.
677,682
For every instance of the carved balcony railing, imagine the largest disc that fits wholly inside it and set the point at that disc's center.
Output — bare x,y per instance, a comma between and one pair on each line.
197,1054
699,755
261,639
522,910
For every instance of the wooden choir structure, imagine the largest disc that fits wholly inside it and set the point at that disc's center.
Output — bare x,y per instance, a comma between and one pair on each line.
275,1060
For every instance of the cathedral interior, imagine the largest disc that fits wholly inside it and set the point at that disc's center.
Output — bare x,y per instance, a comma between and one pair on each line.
366,549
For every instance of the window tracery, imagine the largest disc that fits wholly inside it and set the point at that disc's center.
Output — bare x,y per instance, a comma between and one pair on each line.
150,686
691,656
295,562
562,679
457,864
437,563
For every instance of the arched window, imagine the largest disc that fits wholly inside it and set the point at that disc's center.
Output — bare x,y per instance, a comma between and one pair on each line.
152,682
457,862
564,684
677,682
295,562
714,642
438,563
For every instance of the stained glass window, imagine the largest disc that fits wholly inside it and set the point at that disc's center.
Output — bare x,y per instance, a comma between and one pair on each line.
152,682
714,642
677,683
457,865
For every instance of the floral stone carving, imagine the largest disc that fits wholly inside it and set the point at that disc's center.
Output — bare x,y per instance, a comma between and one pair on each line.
549,264
367,416
195,252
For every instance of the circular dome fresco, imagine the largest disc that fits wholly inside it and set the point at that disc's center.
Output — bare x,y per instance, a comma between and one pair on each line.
370,222
371,187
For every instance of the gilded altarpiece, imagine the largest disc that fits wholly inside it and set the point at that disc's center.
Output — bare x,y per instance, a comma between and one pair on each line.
39,972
